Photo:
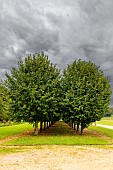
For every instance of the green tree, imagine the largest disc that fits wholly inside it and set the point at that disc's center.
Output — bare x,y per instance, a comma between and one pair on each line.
32,87
4,104
86,93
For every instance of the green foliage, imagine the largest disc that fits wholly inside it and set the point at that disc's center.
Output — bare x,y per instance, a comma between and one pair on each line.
38,93
110,110
34,89
107,115
86,93
4,104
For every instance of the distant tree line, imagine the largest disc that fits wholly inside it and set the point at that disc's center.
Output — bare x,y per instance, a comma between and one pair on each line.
109,112
37,92
4,104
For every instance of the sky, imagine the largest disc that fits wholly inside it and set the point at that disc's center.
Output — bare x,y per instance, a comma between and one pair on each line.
65,30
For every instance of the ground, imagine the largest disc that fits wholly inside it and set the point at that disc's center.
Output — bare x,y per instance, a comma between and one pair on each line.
59,158
55,157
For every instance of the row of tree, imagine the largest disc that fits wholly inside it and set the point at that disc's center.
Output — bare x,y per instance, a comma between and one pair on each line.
4,104
38,92
86,94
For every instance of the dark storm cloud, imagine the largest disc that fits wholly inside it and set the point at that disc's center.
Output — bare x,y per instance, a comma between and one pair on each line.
65,30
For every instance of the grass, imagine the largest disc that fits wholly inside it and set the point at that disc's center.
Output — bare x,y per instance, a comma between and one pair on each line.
9,123
57,140
106,121
59,134
4,150
8,131
102,131
108,118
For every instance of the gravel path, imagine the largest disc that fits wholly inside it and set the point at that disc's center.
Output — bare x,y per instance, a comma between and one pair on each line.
59,158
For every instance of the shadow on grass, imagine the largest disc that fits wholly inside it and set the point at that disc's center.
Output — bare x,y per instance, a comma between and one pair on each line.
59,134
60,128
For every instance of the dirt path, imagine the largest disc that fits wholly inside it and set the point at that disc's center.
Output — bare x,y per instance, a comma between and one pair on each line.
59,158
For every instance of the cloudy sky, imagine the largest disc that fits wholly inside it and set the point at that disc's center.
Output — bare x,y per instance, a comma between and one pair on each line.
64,29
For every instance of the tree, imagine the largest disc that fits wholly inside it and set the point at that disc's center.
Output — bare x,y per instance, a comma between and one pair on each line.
32,89
4,104
86,93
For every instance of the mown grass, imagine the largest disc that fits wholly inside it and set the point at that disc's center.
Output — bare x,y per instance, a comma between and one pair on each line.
57,140
108,118
106,121
8,131
59,134
102,131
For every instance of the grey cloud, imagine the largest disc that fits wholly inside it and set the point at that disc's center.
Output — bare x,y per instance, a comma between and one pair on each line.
65,30
23,30
107,66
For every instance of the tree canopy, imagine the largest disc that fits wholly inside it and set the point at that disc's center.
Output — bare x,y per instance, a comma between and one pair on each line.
33,89
38,92
86,93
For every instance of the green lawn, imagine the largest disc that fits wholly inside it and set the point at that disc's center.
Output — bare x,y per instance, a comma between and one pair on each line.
106,121
102,131
8,131
58,134
57,140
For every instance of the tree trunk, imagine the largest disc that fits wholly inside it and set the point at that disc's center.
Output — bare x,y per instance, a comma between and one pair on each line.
77,127
82,129
44,125
36,127
74,126
69,124
47,124
40,126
